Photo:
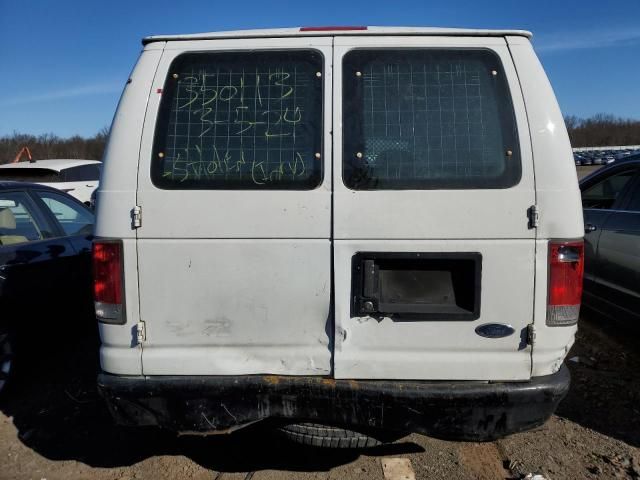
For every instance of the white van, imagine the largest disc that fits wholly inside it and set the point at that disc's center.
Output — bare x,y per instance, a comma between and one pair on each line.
358,227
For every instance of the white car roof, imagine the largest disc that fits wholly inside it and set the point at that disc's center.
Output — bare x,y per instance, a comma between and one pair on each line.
331,31
53,164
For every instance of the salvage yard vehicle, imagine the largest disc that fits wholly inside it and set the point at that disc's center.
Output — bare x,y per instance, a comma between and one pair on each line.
78,178
611,201
340,229
45,265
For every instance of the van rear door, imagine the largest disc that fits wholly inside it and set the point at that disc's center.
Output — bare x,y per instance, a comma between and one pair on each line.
234,186
433,180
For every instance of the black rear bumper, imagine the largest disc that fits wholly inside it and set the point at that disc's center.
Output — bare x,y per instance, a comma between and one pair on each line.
452,410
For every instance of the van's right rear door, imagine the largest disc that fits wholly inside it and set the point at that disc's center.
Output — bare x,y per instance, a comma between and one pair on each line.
433,255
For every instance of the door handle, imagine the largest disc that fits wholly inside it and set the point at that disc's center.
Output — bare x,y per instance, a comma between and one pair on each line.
590,227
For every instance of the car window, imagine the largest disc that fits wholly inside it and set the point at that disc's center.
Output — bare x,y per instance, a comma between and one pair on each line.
634,200
240,120
37,175
604,194
428,119
82,173
17,222
72,217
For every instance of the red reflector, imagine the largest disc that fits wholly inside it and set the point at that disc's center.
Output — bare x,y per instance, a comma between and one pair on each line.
328,29
107,272
566,268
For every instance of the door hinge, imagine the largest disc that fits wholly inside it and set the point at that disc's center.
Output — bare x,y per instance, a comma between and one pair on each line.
141,332
136,217
534,216
531,334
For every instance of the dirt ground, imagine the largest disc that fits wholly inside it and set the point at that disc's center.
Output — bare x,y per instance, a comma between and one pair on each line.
53,425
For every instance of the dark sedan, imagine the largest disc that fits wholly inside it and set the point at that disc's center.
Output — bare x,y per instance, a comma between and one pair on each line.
45,264
611,202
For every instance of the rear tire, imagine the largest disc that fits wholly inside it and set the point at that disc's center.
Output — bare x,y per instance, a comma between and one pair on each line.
316,435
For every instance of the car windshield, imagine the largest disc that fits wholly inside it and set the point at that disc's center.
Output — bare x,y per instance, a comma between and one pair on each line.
29,175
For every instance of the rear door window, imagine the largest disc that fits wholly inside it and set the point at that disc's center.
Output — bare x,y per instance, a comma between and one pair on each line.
240,120
428,119
17,220
606,193
37,175
82,173
634,200
72,217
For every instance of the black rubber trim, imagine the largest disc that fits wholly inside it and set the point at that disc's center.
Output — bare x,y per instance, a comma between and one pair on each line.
452,410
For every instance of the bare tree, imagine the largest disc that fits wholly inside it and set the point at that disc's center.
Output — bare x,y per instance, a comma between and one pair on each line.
602,130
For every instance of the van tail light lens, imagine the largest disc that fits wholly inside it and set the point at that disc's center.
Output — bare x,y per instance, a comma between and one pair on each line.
566,269
108,281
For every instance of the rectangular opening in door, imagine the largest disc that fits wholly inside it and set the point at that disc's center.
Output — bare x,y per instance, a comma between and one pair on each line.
417,286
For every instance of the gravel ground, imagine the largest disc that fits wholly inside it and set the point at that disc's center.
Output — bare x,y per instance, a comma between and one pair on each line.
54,426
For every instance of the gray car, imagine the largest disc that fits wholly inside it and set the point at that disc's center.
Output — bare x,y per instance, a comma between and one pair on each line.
611,202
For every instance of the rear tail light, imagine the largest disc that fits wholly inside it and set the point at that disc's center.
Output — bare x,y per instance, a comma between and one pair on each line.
566,268
108,281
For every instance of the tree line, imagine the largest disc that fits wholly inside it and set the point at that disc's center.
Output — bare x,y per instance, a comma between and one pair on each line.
598,130
49,145
602,130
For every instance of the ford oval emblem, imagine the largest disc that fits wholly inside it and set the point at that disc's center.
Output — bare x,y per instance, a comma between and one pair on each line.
494,330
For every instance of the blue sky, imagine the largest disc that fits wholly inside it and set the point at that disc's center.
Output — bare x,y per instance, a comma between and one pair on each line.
64,63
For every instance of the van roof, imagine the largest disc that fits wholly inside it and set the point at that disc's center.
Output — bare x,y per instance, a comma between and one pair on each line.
337,30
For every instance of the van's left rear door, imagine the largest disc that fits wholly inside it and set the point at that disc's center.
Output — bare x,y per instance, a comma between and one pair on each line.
234,185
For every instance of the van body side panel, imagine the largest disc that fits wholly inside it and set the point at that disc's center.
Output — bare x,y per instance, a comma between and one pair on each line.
551,343
236,281
120,352
118,182
558,196
490,223
558,199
